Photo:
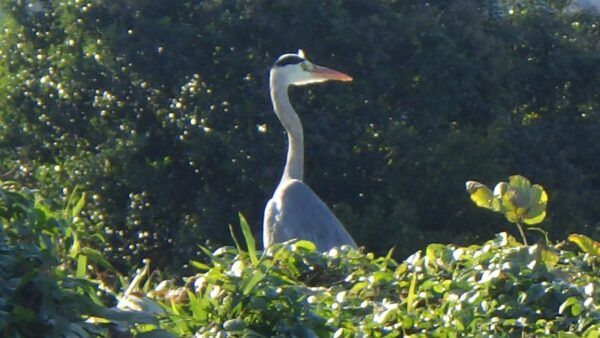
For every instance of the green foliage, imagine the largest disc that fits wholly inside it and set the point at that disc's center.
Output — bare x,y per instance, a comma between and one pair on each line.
51,280
498,289
160,111
43,266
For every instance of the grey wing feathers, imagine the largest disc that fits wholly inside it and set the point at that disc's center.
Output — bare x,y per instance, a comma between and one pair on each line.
296,212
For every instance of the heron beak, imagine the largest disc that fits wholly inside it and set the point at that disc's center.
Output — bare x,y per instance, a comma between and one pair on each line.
325,73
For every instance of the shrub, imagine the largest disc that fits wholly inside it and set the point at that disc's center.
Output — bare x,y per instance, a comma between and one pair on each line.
43,266
498,289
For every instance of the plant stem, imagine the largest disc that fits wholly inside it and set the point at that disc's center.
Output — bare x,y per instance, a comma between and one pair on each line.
522,233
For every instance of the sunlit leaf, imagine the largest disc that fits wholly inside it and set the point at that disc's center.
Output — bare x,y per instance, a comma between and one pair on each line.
412,294
519,182
537,218
199,265
549,257
249,283
75,246
586,244
79,205
512,216
81,266
250,242
304,244
480,194
97,257
567,303
538,195
234,238
380,276
358,287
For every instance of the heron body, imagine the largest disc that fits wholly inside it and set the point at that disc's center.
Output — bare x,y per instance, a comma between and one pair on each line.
295,211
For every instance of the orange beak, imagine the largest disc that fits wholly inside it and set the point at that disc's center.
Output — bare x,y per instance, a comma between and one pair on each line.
329,74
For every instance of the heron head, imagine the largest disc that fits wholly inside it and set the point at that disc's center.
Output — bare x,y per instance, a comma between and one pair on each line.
295,69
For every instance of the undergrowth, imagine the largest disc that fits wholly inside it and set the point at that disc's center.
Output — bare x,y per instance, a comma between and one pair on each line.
51,285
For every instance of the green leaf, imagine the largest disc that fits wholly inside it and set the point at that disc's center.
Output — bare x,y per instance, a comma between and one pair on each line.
79,205
458,325
412,294
198,305
381,276
480,194
235,240
536,219
250,242
538,200
249,283
567,303
81,266
511,216
586,244
519,183
96,257
306,245
437,254
537,195
549,257
358,287
199,265
593,334
76,246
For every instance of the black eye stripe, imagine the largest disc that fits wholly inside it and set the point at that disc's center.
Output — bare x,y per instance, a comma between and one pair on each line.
290,59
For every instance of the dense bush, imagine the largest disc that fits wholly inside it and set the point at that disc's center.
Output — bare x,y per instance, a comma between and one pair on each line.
499,289
53,285
52,282
160,110
42,269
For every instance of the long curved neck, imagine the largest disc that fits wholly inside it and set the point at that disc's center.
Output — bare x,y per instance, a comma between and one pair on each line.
294,164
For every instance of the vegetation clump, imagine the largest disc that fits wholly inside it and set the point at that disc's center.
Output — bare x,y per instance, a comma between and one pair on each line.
499,289
54,284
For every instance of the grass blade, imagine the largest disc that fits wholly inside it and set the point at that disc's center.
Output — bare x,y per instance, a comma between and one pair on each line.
411,293
235,241
250,242
81,266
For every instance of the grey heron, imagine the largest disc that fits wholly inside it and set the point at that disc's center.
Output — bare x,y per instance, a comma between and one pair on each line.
295,211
